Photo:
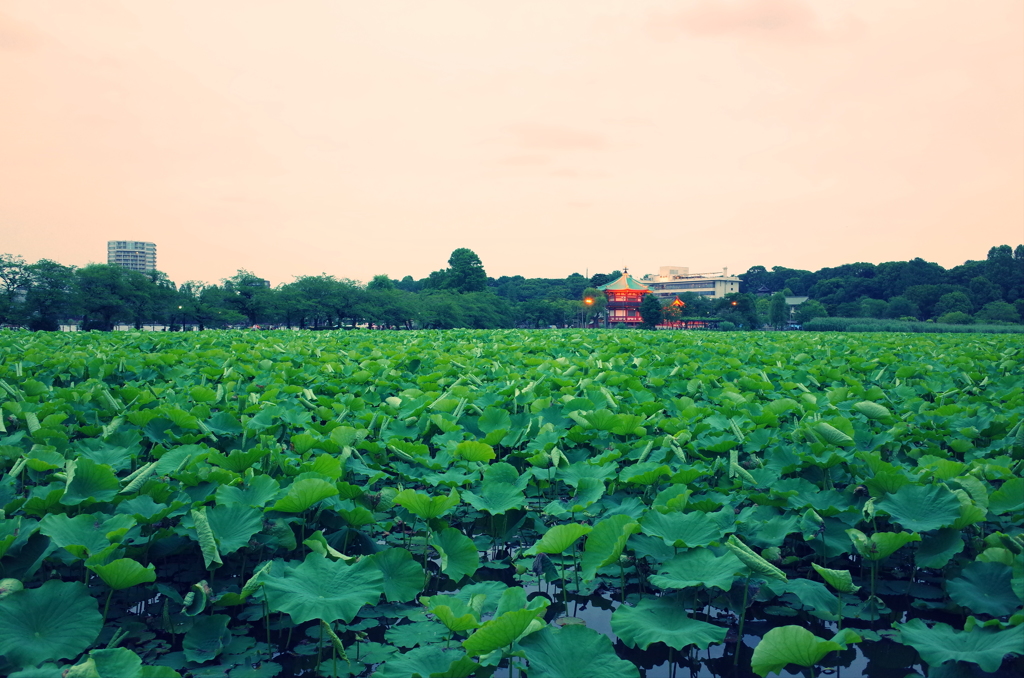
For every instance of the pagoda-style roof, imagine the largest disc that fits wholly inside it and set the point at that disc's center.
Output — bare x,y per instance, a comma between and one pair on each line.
625,282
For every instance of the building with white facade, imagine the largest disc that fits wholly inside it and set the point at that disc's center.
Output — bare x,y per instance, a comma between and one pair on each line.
132,254
672,281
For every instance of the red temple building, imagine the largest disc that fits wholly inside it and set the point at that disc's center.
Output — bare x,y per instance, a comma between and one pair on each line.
624,297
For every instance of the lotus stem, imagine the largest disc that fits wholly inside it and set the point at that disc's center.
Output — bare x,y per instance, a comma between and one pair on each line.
743,617
319,648
106,607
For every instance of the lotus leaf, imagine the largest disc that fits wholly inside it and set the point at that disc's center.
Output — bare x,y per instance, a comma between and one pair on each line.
58,620
605,543
403,576
302,494
881,544
920,508
682,529
574,650
1008,498
663,620
118,663
319,588
454,613
89,481
424,505
459,557
794,645
985,647
840,580
698,567
938,548
423,633
495,498
233,526
501,631
559,538
471,450
124,573
207,638
428,662
984,588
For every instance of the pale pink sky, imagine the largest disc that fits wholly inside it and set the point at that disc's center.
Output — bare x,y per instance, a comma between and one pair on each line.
549,136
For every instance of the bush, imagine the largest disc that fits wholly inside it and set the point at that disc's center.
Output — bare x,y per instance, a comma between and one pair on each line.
726,326
874,325
998,312
956,318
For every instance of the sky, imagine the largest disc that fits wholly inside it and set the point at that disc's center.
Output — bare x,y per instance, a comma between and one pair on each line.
357,138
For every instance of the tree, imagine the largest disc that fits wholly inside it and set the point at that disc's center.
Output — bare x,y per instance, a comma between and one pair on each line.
998,312
740,309
14,281
250,295
984,290
873,308
901,307
381,282
778,310
51,295
466,272
103,291
650,312
809,310
954,302
599,279
955,318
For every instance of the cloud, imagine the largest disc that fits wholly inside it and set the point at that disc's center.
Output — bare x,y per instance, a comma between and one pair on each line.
765,19
524,159
552,137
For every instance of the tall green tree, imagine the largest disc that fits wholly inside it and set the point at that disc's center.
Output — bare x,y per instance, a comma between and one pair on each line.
51,295
14,282
466,272
778,310
594,303
650,312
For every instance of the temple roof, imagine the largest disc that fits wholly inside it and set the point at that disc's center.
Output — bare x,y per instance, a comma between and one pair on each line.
625,282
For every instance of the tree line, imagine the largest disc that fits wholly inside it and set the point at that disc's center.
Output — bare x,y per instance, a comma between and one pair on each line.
46,295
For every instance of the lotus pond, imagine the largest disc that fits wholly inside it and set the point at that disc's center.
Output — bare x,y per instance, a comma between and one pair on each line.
462,503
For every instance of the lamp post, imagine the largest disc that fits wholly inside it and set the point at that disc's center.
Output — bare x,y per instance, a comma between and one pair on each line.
588,301
181,319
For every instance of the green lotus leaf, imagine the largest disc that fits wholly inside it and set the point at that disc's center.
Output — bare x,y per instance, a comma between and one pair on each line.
682,529
90,481
1009,497
233,526
459,557
403,576
238,460
319,588
495,498
815,597
302,494
207,638
873,411
920,508
118,663
417,633
939,547
794,645
830,434
881,544
424,505
58,620
985,647
605,543
574,650
472,450
204,535
317,543
256,492
840,580
663,620
753,561
78,535
9,586
559,538
428,662
587,492
646,473
698,567
984,588
124,573
501,631
456,614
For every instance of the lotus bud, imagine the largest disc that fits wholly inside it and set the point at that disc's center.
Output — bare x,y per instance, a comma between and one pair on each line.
9,586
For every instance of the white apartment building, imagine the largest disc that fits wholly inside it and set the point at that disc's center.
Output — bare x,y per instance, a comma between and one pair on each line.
132,254
672,281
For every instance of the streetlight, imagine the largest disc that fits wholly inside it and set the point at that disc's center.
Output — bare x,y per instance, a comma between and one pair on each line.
181,319
589,301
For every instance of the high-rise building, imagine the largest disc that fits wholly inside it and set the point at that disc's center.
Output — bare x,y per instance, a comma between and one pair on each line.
134,255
